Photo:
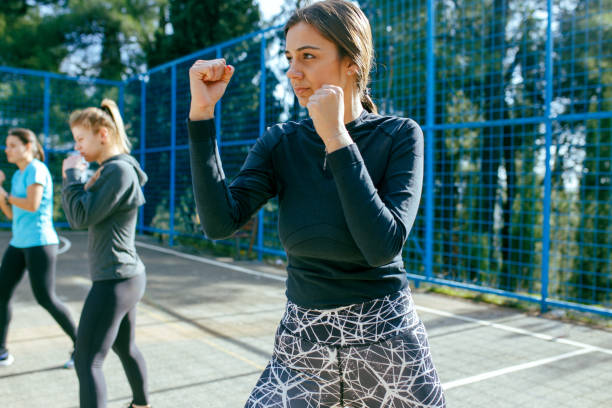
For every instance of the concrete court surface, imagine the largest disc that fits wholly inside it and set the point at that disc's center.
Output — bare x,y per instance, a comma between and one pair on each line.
206,329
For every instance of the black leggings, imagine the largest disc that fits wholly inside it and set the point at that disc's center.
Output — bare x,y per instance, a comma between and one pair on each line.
108,320
40,263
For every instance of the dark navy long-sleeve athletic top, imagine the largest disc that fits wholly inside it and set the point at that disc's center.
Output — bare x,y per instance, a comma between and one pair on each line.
343,217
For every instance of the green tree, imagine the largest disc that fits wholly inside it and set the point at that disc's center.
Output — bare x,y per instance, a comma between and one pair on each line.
109,36
29,38
186,26
96,38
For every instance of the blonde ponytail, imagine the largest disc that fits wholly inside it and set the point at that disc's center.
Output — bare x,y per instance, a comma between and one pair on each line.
121,137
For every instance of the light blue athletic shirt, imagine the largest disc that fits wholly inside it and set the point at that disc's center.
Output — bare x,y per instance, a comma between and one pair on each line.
33,228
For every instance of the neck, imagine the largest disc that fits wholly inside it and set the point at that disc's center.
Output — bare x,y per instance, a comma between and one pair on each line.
352,107
107,155
23,163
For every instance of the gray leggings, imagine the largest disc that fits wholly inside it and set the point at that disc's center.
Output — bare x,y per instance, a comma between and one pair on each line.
373,354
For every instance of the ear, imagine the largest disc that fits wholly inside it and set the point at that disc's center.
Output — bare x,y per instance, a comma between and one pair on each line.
350,68
104,136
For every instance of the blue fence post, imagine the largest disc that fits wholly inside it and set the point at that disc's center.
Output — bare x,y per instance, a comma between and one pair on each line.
429,142
547,176
143,138
172,154
47,106
121,98
262,129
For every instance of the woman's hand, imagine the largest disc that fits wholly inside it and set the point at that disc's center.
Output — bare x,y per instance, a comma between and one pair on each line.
93,178
73,162
326,108
207,82
2,177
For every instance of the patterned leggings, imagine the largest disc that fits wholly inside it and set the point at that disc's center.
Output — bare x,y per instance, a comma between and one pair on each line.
372,354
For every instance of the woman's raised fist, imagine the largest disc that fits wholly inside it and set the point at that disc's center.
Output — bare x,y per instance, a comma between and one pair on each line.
208,81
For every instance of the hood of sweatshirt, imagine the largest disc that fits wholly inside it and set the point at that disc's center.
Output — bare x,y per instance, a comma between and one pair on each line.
142,176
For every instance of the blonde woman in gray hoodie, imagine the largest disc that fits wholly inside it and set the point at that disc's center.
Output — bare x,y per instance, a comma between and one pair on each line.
107,205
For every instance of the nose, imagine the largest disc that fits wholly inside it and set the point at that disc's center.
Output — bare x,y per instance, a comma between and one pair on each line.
294,73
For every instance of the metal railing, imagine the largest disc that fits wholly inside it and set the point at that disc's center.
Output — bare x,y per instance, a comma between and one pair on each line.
515,101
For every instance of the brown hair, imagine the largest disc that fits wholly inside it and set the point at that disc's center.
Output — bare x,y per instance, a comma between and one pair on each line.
27,136
344,24
108,116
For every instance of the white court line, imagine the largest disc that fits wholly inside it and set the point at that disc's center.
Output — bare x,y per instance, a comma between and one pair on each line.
423,308
66,247
484,376
516,330
584,348
211,262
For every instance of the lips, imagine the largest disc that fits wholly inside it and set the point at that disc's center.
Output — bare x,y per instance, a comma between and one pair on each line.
301,90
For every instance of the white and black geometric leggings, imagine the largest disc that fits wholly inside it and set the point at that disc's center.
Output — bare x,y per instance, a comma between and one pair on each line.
367,355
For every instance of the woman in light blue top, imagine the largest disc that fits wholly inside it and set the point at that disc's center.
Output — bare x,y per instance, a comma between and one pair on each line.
34,242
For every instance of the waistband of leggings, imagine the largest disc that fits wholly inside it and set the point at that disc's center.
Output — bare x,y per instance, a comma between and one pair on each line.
360,323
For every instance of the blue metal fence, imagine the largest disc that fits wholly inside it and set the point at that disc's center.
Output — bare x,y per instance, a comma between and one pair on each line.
515,100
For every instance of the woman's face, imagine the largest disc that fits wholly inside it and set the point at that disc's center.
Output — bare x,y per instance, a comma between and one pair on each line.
16,150
88,143
313,62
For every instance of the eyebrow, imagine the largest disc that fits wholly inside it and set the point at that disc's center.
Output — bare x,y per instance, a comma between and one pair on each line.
305,47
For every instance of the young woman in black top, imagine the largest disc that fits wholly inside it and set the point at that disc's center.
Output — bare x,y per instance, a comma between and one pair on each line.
348,183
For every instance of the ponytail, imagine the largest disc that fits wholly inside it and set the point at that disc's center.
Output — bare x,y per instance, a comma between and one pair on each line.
109,106
39,152
368,103
27,136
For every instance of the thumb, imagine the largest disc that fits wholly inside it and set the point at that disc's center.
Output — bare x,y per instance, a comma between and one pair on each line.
228,73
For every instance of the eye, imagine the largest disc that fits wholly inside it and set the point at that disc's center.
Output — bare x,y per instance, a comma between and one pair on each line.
308,55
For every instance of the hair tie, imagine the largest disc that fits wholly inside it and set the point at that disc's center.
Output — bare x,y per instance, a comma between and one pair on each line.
107,110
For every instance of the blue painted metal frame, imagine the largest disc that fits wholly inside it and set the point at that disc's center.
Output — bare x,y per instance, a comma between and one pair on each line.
172,156
143,138
46,107
547,177
50,75
262,129
429,142
430,128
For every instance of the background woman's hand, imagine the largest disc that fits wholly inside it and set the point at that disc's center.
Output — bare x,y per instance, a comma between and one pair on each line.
93,178
326,108
73,162
207,82
2,177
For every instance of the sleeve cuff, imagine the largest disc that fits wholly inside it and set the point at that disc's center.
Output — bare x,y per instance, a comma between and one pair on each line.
73,176
345,157
201,130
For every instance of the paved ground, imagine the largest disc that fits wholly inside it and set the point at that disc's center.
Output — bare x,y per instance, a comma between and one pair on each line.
206,330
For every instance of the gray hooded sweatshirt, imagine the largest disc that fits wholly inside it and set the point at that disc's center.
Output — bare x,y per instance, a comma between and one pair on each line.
109,210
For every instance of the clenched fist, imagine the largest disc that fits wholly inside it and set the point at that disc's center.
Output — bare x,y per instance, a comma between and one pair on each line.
207,81
326,108
73,162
